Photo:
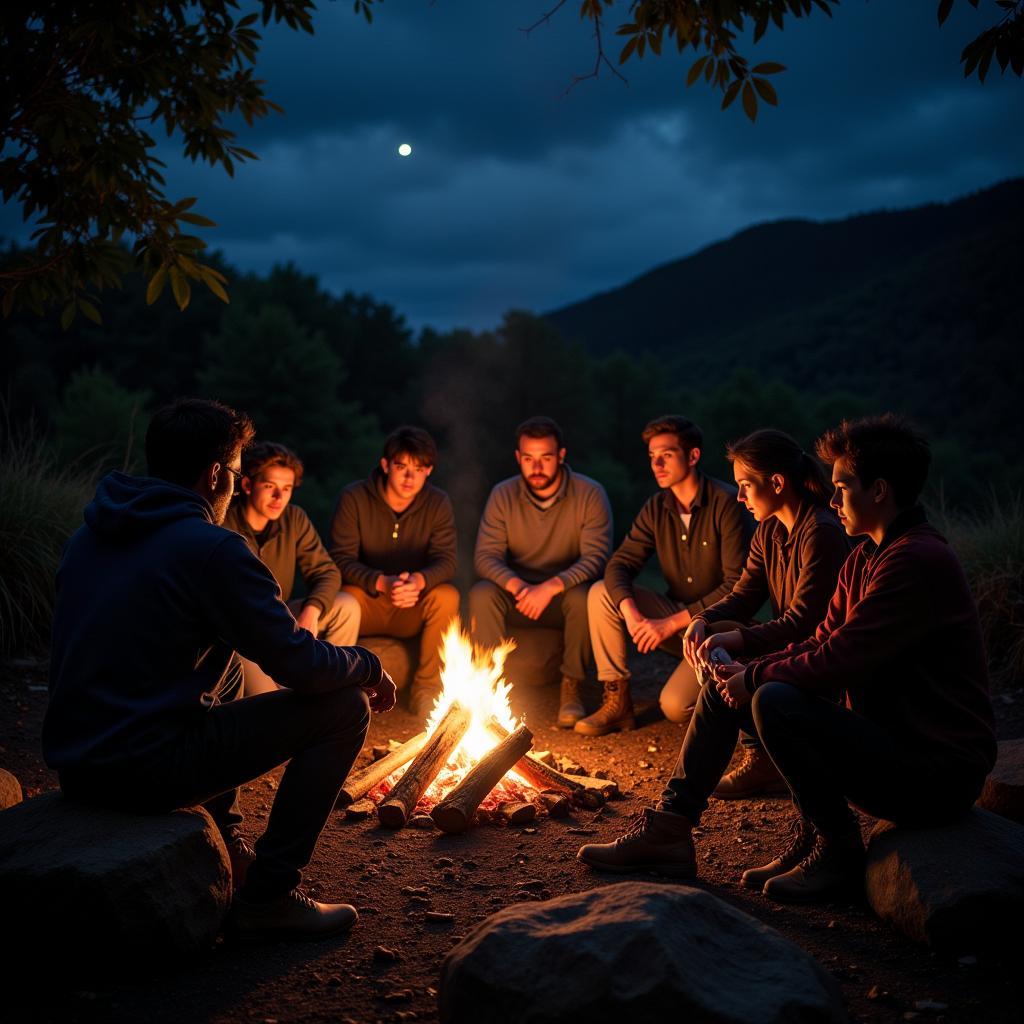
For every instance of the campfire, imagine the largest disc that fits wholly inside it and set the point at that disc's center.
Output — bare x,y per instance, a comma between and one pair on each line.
473,758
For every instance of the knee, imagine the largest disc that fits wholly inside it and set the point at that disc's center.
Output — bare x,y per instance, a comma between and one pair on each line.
484,594
597,598
351,708
346,607
772,700
576,599
675,707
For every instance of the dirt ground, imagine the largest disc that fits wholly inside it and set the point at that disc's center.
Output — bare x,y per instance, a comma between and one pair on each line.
882,976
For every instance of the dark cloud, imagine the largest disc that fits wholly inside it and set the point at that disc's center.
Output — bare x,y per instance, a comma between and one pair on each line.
520,195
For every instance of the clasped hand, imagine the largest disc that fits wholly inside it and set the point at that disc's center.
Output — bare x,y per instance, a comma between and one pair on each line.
382,696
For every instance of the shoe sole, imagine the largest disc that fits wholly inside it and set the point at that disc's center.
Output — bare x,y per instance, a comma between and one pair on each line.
626,725
838,893
668,870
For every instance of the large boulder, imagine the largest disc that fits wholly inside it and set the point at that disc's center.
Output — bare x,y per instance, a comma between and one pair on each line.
10,790
398,655
635,952
1004,788
959,887
537,659
85,886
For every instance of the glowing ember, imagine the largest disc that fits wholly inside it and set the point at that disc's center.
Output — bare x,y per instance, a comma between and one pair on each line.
474,678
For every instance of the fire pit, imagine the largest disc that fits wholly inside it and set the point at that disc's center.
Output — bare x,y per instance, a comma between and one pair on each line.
472,757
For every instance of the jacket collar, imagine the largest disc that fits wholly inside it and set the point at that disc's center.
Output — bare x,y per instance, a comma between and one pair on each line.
905,521
669,499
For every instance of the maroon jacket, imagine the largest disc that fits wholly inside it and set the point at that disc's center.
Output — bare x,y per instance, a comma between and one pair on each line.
901,637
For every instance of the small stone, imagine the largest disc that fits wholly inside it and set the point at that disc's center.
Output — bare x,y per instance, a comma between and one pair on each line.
423,821
439,917
470,865
399,995
652,749
582,831
516,812
384,955
929,1006
379,750
642,764
411,890
444,862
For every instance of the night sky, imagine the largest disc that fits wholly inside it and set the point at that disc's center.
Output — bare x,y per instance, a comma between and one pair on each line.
518,195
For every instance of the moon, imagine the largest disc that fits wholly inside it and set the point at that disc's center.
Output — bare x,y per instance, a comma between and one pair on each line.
405,149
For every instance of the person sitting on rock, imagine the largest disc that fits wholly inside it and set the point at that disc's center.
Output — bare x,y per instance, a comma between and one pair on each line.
154,599
544,537
393,538
915,739
700,535
280,534
798,549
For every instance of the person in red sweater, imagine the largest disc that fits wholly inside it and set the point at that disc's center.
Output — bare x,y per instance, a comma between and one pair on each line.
914,738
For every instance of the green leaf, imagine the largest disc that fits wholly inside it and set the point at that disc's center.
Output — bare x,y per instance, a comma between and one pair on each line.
695,69
769,67
195,218
67,317
749,101
215,286
766,91
89,310
156,286
731,94
945,6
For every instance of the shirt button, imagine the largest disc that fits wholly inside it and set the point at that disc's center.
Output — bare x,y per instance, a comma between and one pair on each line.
705,543
689,579
684,536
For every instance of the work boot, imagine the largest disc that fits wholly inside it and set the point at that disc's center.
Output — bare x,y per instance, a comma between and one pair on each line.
293,915
615,712
801,842
241,855
755,775
656,841
570,705
833,867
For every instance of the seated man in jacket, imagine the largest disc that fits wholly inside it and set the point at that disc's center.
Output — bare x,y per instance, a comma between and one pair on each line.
154,598
393,537
285,541
915,738
700,535
543,539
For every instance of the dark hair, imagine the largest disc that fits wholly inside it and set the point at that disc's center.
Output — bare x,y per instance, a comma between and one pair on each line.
192,433
773,451
264,454
885,448
540,426
412,441
689,434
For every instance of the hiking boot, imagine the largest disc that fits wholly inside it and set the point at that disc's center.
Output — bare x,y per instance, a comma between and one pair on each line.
241,855
615,712
570,705
294,915
801,842
755,775
421,701
833,867
656,841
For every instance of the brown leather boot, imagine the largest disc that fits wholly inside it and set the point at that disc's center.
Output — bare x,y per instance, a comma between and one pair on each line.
570,704
615,712
755,775
801,842
656,841
834,867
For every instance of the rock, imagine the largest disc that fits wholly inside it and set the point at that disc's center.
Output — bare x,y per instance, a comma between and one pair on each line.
633,952
555,803
537,659
515,812
360,809
398,656
88,884
423,821
1003,792
959,887
10,790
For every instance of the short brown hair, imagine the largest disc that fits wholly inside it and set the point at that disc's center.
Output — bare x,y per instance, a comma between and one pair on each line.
885,448
264,454
689,434
190,434
540,426
412,441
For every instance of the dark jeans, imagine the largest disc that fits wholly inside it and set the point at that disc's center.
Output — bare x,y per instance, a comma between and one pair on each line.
493,612
827,754
215,750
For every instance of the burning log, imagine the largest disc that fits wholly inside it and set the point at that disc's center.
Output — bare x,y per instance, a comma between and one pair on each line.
454,813
358,785
401,801
541,777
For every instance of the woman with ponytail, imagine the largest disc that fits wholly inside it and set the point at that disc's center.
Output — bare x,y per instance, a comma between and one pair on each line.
795,556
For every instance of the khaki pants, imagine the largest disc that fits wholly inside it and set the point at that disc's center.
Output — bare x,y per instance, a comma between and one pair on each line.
339,626
428,618
608,634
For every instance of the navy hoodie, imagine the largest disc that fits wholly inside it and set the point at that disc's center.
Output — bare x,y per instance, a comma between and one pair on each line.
153,599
